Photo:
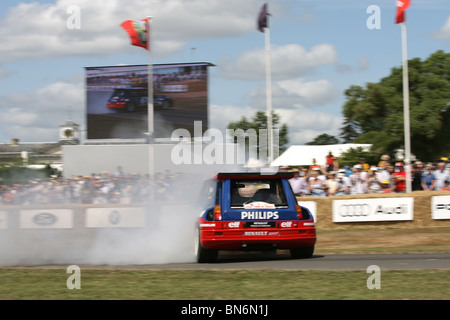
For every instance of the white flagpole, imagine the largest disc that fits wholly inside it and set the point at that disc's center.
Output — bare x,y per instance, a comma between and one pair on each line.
407,137
150,84
269,93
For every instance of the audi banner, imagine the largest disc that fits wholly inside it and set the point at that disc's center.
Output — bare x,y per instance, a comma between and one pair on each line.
380,209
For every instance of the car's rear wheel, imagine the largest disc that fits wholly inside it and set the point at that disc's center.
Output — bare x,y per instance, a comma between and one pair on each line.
302,253
203,255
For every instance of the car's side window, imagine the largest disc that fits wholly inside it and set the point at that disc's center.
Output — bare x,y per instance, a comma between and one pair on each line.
218,190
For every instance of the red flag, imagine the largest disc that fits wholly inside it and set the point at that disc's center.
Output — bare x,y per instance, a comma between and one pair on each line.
137,31
262,18
402,5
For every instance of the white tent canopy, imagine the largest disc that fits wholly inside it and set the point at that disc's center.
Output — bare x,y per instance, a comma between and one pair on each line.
303,155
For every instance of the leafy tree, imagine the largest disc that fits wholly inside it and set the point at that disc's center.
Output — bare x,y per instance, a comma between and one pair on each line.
324,139
259,121
17,174
374,113
353,155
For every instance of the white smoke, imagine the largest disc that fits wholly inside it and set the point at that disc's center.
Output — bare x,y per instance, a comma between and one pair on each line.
167,237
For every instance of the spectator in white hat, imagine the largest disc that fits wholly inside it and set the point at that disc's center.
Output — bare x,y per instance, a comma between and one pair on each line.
358,180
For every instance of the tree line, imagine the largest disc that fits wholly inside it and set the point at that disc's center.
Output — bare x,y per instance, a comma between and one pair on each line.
373,113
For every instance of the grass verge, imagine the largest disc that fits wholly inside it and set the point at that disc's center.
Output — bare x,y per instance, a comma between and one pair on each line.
113,284
383,241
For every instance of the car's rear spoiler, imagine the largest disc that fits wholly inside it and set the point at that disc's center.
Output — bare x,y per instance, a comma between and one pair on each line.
254,175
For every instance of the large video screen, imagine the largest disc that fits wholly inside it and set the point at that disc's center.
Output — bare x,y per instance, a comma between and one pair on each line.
117,99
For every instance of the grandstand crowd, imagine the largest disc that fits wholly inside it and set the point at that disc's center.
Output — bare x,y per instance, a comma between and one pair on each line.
361,178
117,187
315,180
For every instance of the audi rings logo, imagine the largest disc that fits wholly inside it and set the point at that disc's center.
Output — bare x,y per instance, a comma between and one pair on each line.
354,210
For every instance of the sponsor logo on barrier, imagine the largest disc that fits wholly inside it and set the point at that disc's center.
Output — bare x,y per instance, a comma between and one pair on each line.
440,207
354,210
382,209
400,209
114,217
45,219
51,218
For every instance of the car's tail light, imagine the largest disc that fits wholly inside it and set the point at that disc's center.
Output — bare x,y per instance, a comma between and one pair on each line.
217,213
300,214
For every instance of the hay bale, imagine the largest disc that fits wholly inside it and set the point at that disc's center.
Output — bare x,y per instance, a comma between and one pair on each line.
422,211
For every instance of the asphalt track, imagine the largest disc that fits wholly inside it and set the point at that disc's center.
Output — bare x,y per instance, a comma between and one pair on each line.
260,261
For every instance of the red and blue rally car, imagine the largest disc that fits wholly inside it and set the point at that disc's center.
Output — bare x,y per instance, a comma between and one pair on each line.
254,212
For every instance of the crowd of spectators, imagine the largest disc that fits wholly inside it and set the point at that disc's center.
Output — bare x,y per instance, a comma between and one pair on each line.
315,180
361,178
117,187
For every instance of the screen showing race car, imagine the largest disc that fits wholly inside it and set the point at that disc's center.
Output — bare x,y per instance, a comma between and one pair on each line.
117,100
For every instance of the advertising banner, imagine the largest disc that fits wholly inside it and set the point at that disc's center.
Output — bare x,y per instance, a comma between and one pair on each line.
380,209
440,207
46,219
117,100
115,217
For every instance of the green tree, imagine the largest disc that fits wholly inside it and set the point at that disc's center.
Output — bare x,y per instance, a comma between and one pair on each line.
374,113
323,139
18,174
353,155
257,122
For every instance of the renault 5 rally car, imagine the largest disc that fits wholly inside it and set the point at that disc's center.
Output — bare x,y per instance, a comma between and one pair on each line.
134,99
253,212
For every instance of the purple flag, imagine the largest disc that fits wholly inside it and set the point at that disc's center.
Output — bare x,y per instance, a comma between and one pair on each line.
262,18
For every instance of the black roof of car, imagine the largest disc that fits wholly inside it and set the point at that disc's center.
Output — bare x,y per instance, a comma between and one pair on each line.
254,175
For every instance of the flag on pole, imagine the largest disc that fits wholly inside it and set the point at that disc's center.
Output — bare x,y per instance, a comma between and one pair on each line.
262,18
402,5
138,32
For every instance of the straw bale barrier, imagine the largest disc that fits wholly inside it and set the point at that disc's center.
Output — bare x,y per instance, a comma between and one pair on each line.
422,211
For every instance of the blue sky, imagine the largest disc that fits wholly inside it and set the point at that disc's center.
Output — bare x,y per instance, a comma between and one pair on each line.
319,49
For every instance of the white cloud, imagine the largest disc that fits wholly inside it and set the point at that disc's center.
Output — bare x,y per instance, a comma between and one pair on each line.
303,124
294,100
289,94
40,30
288,61
37,116
444,33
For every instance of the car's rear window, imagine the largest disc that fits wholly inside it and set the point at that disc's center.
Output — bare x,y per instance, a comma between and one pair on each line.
252,193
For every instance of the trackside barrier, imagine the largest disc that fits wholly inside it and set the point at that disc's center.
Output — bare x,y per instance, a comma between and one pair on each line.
72,216
418,209
415,210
